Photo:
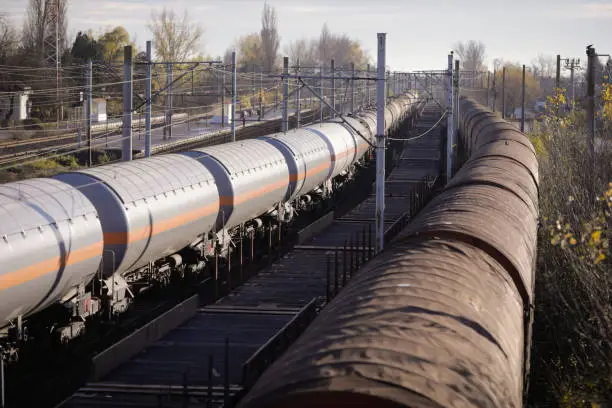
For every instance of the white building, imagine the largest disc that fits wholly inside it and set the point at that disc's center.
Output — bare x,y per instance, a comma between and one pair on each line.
98,110
20,103
216,119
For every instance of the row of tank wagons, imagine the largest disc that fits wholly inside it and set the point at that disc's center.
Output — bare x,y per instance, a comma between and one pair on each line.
137,121
442,317
144,219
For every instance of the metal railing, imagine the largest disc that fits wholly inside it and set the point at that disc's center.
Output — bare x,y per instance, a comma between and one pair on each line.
277,345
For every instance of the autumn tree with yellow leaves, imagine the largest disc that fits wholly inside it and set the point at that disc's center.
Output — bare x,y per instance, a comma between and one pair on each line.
514,80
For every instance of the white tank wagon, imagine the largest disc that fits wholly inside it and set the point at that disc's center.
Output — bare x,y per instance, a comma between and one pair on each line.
51,245
106,233
252,177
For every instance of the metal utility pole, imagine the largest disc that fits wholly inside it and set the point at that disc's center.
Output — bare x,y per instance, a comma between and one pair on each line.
572,64
558,77
298,96
456,98
261,93
321,93
523,102
503,101
590,111
148,103
168,122
488,89
352,87
332,114
368,85
253,85
233,111
285,124
364,84
380,144
573,89
2,401
128,73
223,98
494,88
276,87
449,120
388,90
88,109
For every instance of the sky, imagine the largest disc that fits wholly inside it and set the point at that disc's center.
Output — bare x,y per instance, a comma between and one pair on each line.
420,33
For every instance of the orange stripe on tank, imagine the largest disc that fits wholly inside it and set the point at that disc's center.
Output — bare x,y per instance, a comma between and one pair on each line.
39,269
249,195
42,268
122,238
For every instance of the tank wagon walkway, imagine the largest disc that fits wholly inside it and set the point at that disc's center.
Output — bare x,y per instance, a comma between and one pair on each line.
244,331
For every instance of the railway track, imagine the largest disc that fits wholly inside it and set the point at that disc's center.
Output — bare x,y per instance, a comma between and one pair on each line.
253,129
19,150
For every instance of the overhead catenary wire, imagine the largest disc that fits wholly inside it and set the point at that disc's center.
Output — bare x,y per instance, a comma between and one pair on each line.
422,134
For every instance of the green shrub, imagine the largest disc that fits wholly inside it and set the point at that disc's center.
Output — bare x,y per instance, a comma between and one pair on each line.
68,161
31,124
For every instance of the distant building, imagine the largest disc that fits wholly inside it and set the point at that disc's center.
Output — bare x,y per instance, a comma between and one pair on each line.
98,110
216,119
529,115
19,102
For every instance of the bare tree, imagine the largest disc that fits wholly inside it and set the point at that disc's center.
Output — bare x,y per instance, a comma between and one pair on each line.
303,49
341,48
8,38
498,63
543,66
44,18
270,39
471,54
174,38
325,44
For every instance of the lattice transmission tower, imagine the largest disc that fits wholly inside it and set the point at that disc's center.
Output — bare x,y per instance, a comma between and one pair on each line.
53,45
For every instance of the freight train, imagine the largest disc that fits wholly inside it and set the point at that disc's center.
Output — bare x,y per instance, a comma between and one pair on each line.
442,317
137,122
91,239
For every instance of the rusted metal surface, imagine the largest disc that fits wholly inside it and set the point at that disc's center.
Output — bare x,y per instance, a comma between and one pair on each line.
442,317
492,218
422,319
